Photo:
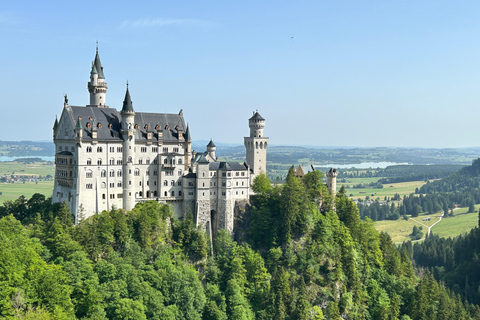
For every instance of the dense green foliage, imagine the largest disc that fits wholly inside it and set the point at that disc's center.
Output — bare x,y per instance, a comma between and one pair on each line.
454,261
309,257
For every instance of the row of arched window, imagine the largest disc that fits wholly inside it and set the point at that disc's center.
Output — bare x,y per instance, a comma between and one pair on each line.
256,145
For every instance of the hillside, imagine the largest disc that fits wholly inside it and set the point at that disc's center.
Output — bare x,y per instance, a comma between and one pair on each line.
300,261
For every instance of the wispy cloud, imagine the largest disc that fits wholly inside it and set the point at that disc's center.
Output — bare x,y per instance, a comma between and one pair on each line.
148,23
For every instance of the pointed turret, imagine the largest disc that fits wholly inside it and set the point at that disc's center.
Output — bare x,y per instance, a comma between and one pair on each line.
55,127
187,134
127,103
211,147
98,65
97,85
78,131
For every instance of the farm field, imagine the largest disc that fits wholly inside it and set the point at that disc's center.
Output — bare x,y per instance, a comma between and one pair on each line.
388,190
13,171
11,191
460,223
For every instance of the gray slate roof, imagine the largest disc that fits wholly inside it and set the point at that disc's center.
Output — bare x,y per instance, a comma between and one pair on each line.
106,116
226,166
256,116
98,66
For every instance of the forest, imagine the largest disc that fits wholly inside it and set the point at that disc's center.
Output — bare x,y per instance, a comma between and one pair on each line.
307,256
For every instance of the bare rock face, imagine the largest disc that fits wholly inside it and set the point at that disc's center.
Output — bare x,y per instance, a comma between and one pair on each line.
241,221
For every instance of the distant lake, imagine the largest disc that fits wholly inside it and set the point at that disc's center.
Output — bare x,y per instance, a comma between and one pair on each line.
363,165
45,158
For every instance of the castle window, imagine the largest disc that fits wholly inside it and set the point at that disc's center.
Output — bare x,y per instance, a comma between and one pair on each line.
136,126
112,149
119,161
103,196
224,174
140,183
173,193
119,173
112,161
119,184
119,149
165,149
60,148
148,194
89,149
130,160
237,174
90,118
89,162
237,183
229,174
140,194
165,193
155,161
172,183
175,149
99,149
154,149
120,196
112,173
147,161
148,182
110,126
137,172
154,172
154,183
166,127
180,172
165,161
89,174
143,149
236,193
99,162
157,127
103,174
89,125
147,172
190,183
146,127
99,125
256,144
243,174
180,161
112,196
223,184
89,186
112,185
242,183
140,160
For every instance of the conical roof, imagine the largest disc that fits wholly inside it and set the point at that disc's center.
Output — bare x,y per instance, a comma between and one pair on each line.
256,116
187,134
211,144
127,103
78,126
98,65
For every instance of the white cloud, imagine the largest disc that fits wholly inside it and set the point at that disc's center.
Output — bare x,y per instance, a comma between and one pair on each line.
146,23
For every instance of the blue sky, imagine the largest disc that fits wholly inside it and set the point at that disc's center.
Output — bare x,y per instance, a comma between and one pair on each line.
370,73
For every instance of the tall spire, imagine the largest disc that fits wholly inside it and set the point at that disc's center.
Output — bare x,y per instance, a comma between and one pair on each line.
187,134
97,85
127,103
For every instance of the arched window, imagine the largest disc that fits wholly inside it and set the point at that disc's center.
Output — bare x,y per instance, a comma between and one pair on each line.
180,172
89,162
140,160
172,183
104,173
165,161
180,193
147,161
165,183
165,193
89,174
137,172
112,173
180,161
173,193
256,144
104,185
261,144
112,161
119,173
130,160
103,196
99,162
89,149
99,149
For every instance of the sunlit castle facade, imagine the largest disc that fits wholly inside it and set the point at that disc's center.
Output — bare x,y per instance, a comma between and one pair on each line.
107,158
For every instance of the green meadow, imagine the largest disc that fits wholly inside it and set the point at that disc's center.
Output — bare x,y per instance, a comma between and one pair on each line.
388,190
11,191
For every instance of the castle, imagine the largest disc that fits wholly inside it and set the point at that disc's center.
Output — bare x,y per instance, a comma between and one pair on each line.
107,158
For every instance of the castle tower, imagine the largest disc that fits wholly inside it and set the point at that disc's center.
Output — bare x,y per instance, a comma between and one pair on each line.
332,181
128,134
211,148
97,85
256,145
